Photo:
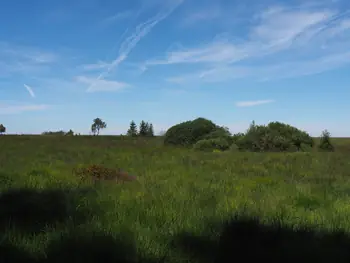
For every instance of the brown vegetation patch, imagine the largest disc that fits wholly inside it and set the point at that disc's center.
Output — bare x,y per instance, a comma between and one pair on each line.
99,172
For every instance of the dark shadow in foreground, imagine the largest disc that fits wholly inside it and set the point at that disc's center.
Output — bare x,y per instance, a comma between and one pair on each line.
245,239
80,248
31,211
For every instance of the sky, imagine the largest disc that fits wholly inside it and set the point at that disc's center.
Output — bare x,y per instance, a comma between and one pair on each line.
64,63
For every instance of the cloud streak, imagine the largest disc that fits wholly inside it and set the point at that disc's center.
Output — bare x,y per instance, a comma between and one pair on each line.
101,85
253,103
117,17
30,90
283,41
16,109
141,31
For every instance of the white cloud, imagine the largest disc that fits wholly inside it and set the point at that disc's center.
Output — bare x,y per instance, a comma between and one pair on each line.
25,53
25,60
140,32
205,15
274,33
102,85
252,103
117,17
15,109
313,35
282,27
267,71
30,90
98,65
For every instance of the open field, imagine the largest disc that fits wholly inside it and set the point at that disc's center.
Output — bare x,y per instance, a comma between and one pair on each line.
185,206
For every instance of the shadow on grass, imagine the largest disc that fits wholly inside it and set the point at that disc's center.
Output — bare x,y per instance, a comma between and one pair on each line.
244,239
11,254
94,247
30,211
80,248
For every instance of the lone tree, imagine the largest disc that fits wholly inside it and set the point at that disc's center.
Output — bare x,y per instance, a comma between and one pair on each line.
325,142
2,129
132,129
97,125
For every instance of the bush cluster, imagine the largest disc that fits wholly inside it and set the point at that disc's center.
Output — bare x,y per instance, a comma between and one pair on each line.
210,145
204,135
189,132
274,137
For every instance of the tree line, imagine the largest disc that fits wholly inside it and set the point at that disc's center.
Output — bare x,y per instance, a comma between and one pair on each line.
145,129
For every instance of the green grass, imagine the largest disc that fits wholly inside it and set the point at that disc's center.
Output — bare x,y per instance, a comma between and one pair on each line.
186,206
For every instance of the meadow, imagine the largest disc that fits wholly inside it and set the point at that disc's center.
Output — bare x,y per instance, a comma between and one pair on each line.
185,206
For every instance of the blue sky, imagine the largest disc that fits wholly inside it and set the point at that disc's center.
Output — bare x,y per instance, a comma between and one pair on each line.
63,63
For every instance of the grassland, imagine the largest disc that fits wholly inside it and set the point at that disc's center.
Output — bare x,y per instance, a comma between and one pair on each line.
185,206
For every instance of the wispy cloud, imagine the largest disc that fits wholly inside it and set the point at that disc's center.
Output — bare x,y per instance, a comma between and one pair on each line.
26,53
101,84
205,15
275,32
16,59
252,103
95,66
117,17
132,40
30,90
268,71
312,34
15,109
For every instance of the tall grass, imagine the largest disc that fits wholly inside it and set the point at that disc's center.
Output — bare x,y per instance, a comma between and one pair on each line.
185,206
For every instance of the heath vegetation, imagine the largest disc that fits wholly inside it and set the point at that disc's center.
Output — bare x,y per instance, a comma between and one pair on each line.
196,194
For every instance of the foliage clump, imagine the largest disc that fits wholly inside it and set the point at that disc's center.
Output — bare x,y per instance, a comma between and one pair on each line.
325,144
2,129
98,172
189,132
59,133
222,133
211,145
274,137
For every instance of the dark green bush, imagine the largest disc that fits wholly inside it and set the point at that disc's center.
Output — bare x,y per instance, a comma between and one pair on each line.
274,137
219,132
237,136
234,147
212,144
189,132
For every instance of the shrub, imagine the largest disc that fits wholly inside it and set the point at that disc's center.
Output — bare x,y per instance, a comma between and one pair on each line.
56,133
234,147
325,144
219,132
99,172
189,132
237,136
274,137
70,133
211,145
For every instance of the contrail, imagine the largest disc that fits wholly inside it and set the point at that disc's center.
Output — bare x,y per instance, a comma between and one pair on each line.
30,90
140,32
